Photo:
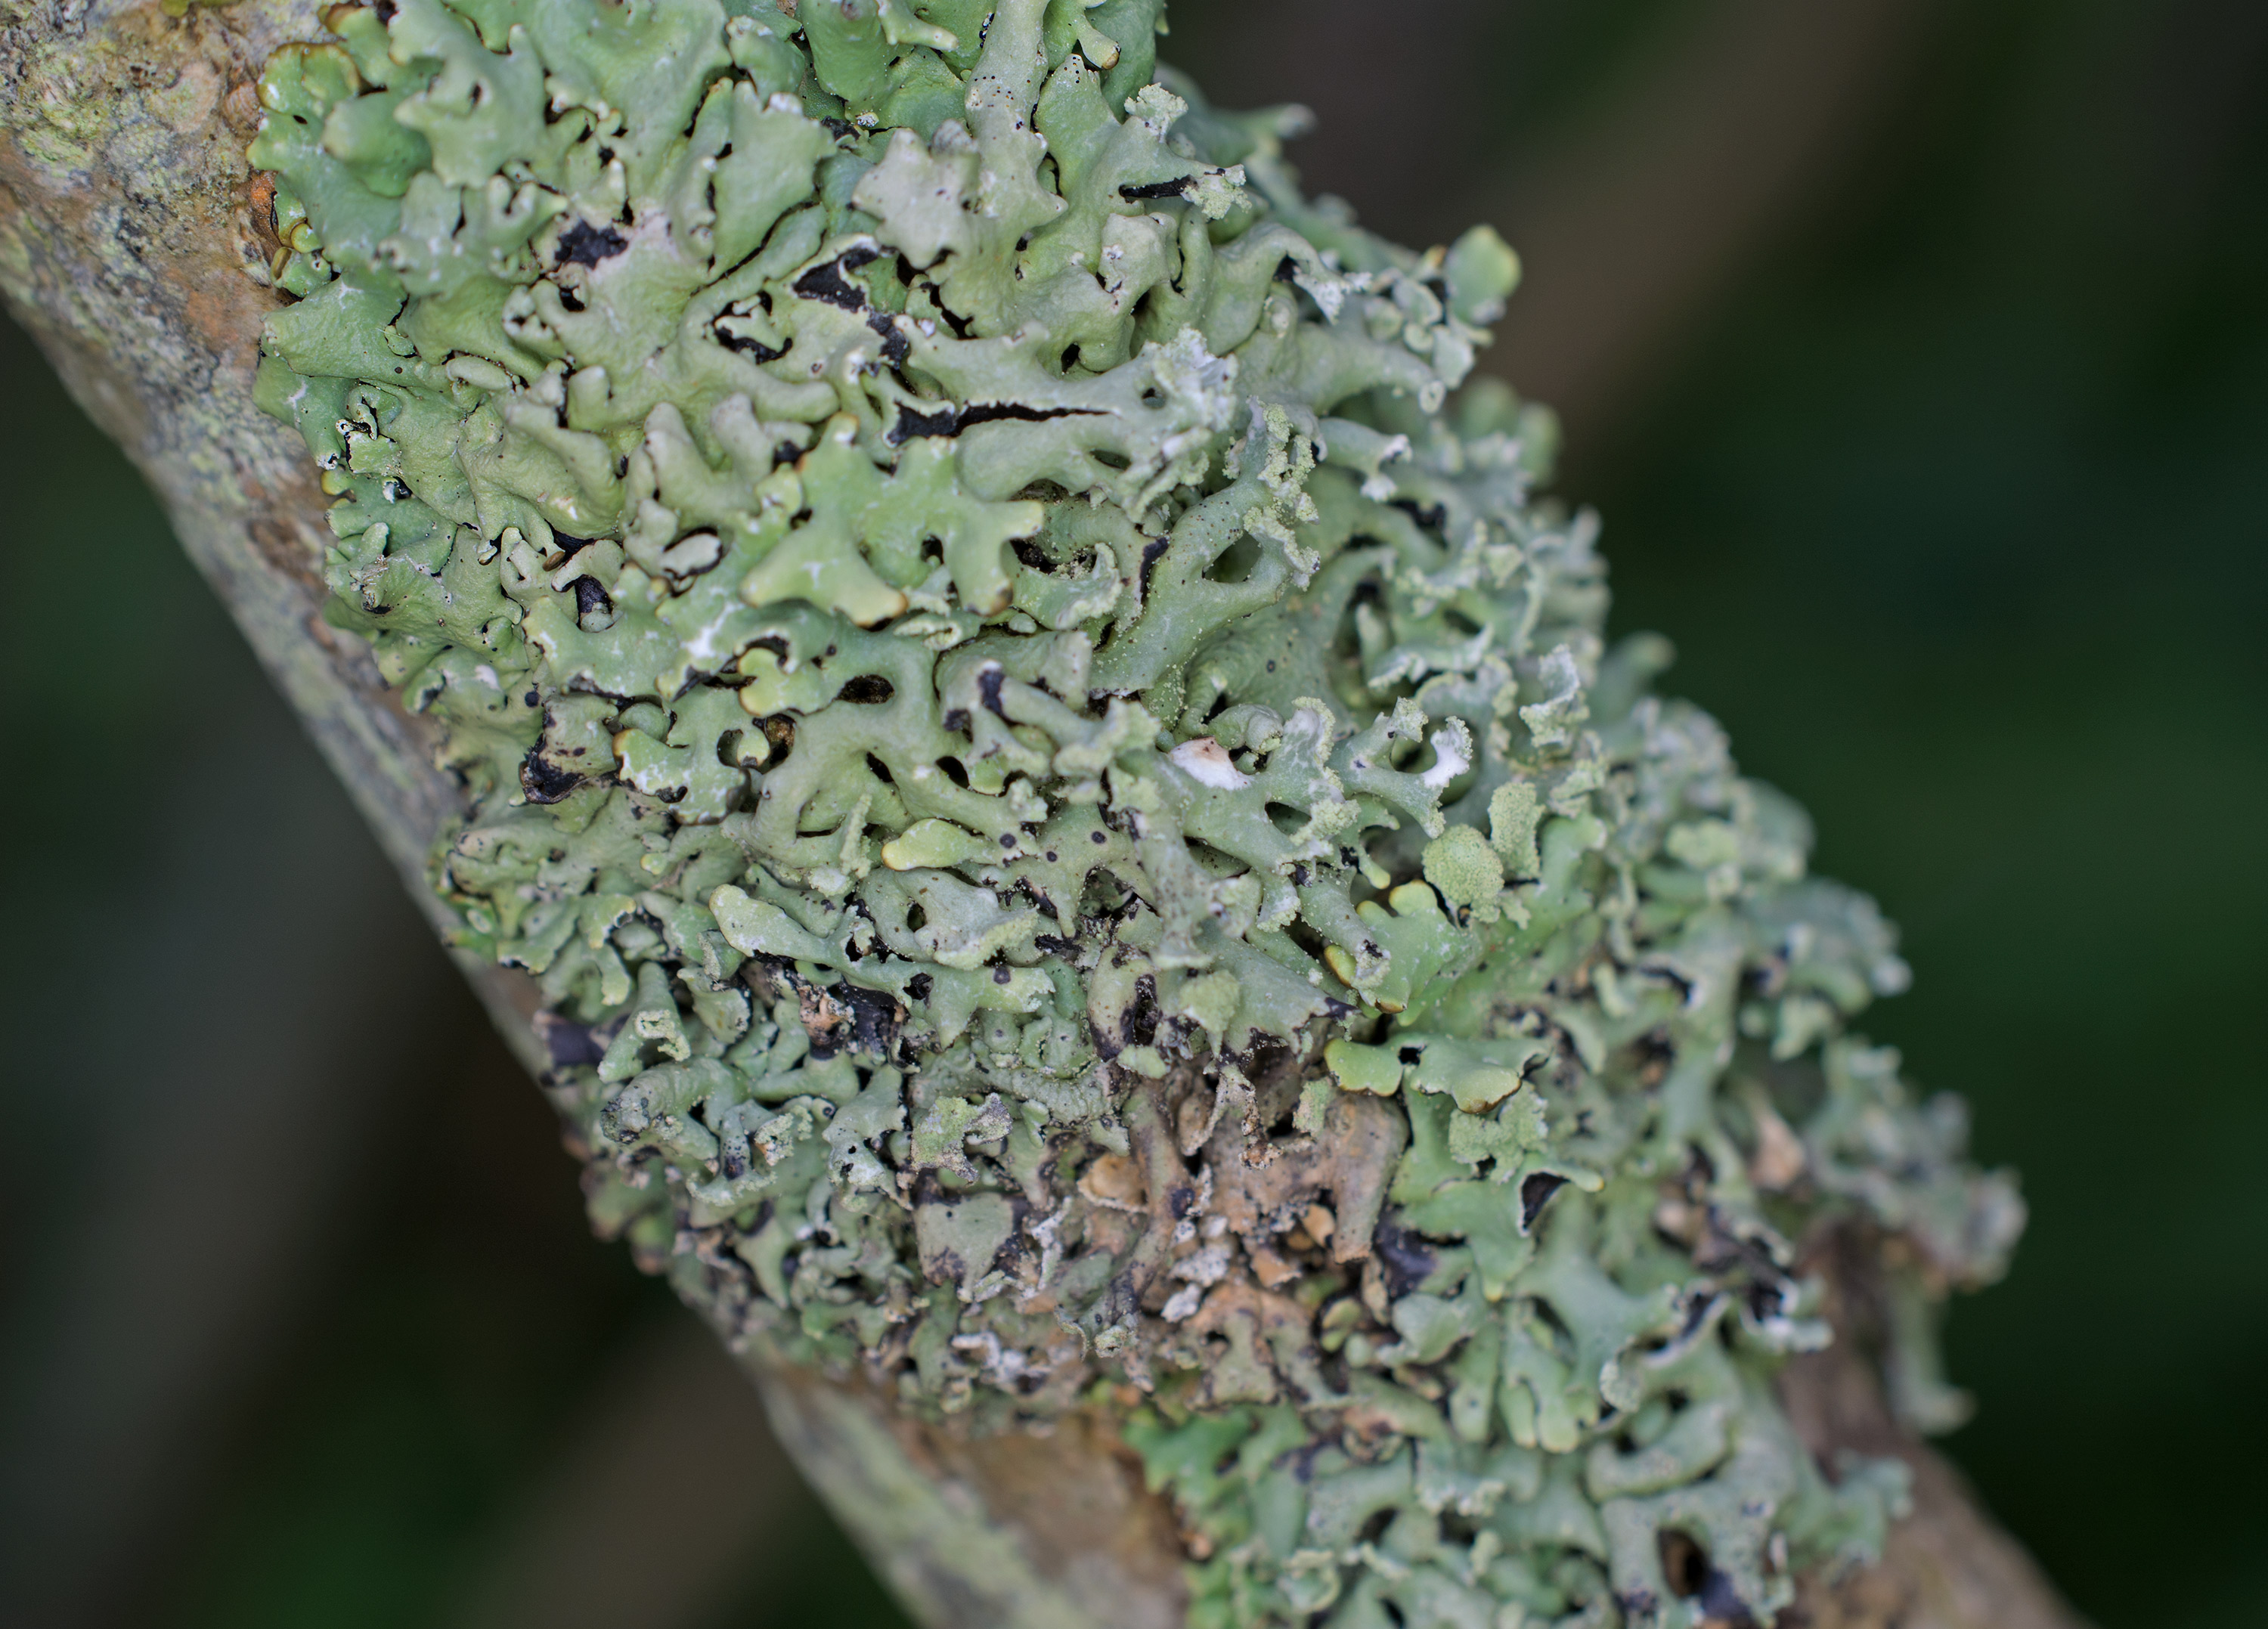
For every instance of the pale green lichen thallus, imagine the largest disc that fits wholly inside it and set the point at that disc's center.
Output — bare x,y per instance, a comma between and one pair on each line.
1080,841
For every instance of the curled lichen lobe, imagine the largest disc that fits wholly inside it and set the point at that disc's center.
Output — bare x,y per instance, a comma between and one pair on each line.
1076,827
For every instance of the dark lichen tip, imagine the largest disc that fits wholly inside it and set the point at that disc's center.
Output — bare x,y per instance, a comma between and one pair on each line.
1069,806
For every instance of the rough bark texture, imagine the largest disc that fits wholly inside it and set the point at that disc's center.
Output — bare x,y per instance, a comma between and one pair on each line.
129,224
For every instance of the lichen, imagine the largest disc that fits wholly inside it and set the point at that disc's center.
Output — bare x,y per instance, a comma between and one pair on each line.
1079,837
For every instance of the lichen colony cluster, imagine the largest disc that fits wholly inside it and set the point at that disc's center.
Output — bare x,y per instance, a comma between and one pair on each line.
1080,842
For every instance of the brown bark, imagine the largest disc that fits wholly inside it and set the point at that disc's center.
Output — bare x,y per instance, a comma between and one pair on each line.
131,232
1946,1565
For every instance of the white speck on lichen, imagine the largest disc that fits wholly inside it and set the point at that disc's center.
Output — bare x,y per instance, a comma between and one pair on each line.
1206,762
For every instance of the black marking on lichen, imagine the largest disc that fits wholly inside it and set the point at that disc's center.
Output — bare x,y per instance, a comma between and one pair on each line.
582,244
544,782
1407,1259
949,421
829,280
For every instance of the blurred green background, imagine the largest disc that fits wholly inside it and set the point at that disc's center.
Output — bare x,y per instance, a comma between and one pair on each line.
1916,354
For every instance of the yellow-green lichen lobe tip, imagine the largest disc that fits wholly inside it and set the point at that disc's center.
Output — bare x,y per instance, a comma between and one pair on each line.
1462,867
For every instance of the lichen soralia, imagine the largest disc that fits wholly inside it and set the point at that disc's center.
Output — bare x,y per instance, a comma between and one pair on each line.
1079,839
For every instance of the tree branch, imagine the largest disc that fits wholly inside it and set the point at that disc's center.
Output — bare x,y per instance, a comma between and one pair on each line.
132,237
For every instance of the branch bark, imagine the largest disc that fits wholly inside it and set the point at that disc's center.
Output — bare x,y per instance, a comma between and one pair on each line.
131,234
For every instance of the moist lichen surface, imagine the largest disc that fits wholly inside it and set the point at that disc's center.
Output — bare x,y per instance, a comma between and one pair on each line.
1080,838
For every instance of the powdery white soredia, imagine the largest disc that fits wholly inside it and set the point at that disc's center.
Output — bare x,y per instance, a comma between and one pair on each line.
1079,838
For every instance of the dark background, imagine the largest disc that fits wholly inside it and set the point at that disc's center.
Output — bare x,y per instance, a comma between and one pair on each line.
1916,354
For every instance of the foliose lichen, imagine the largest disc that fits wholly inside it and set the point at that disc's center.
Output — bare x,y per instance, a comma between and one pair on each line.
1080,839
